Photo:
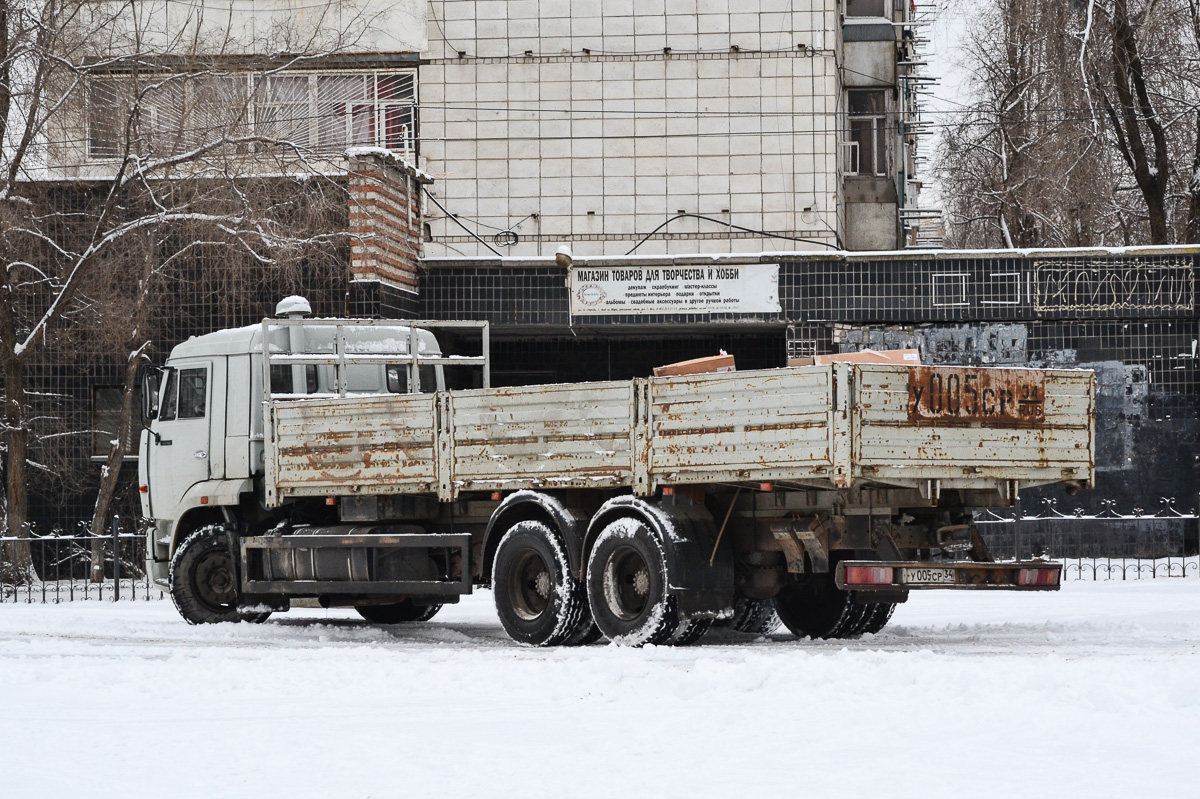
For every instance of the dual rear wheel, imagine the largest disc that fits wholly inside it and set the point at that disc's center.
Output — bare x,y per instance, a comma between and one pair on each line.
623,596
817,608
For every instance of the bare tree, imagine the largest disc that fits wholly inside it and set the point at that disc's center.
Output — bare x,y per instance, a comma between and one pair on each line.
170,127
1080,118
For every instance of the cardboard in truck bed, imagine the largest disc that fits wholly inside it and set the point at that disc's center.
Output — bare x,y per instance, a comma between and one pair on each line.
713,363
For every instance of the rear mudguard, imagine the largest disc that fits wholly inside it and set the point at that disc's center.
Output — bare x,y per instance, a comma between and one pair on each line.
689,538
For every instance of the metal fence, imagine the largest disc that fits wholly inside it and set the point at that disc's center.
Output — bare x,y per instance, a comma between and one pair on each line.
1104,546
69,568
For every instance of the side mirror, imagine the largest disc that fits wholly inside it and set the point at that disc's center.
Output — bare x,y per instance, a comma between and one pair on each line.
151,378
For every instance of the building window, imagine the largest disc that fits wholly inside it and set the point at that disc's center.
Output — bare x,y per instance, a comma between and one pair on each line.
320,112
106,421
868,152
866,8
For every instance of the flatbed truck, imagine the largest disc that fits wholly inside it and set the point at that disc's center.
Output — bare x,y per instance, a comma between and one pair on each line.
326,459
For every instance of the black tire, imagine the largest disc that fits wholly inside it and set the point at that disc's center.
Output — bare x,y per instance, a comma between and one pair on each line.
754,616
398,613
690,631
879,616
203,581
816,608
586,633
538,601
627,586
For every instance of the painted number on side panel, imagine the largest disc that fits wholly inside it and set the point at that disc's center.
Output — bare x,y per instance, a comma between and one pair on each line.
1015,397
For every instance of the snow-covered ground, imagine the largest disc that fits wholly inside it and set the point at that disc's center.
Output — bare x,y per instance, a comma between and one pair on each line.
1089,692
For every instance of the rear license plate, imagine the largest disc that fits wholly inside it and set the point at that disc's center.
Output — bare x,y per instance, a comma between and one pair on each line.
925,576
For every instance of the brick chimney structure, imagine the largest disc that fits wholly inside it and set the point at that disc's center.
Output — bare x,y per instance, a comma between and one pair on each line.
386,227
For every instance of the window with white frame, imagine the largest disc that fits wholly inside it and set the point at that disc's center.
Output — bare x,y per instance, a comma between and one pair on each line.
317,112
868,133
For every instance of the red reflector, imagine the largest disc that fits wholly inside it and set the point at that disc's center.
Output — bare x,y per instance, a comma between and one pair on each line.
766,486
330,500
668,491
144,489
496,496
867,575
203,500
1037,577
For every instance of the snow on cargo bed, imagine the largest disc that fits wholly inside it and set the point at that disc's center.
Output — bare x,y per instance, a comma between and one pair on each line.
1090,692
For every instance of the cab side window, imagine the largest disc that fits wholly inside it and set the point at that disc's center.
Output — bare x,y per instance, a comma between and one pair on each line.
193,393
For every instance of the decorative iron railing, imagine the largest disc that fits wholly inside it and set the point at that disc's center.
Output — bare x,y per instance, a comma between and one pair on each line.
69,568
1102,546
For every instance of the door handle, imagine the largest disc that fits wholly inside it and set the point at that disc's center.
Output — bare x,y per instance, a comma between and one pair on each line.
200,454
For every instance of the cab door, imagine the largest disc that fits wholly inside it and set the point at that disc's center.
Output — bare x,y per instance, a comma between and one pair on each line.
180,454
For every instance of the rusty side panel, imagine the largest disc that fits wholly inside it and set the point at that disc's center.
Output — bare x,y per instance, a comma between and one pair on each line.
378,444
1051,440
999,397
568,435
771,424
778,424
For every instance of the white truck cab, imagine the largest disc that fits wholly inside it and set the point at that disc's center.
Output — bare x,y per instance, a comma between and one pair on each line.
203,447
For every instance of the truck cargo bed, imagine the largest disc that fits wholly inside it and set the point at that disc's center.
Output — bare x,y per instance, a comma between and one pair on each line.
823,426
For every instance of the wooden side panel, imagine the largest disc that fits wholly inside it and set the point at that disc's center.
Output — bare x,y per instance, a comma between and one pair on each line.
552,436
891,438
369,445
770,424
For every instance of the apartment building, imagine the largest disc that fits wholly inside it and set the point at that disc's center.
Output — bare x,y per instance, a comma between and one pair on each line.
656,126
668,126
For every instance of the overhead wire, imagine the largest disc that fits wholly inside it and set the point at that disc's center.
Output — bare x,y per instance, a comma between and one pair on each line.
764,233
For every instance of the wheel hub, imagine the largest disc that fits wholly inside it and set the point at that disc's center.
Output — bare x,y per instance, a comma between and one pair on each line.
530,585
641,582
627,583
214,581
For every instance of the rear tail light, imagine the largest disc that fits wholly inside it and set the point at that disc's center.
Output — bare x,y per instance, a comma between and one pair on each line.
1037,577
867,575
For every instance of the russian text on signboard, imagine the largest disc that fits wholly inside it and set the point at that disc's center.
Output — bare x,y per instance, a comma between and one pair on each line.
745,288
1006,397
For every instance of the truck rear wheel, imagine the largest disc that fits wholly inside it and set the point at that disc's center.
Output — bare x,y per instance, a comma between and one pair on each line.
816,608
398,613
627,586
878,616
538,601
755,616
691,631
203,580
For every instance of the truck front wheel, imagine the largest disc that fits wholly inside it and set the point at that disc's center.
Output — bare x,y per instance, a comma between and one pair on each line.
538,601
203,580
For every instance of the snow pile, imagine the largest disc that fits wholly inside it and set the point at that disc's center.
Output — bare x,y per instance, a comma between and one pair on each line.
1090,692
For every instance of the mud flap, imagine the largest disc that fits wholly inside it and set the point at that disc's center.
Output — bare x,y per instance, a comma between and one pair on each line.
689,536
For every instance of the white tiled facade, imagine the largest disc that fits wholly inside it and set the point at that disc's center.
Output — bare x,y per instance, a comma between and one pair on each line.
594,123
